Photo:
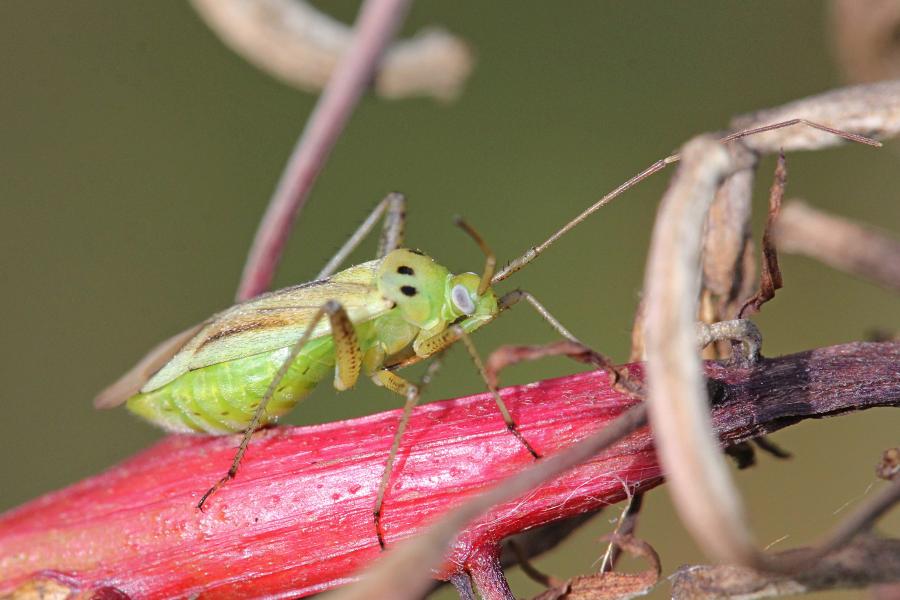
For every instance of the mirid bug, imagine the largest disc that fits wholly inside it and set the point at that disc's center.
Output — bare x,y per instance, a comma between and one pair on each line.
251,363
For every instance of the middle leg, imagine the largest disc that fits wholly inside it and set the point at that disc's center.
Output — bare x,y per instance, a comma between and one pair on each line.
412,392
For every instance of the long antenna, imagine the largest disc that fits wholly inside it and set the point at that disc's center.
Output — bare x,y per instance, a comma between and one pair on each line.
659,165
490,259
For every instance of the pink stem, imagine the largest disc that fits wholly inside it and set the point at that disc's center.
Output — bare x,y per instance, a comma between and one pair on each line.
378,21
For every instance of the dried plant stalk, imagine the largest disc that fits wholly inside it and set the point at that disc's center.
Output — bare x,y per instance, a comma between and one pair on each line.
866,561
728,235
296,43
872,110
770,273
703,492
850,247
676,390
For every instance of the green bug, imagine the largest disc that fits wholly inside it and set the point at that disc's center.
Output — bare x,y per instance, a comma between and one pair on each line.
251,363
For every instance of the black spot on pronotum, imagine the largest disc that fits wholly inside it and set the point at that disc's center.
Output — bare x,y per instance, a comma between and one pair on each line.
404,270
409,290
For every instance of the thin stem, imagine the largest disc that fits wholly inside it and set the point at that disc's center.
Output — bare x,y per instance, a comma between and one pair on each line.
378,21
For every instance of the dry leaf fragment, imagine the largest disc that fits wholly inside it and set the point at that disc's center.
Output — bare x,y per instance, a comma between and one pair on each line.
770,275
612,585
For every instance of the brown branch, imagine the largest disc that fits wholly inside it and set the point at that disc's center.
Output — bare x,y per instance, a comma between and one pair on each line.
872,110
727,238
839,243
608,585
866,561
626,527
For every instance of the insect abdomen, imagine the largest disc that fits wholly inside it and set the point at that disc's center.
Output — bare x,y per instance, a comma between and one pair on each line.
221,398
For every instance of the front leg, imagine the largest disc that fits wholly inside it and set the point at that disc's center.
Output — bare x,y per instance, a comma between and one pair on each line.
347,355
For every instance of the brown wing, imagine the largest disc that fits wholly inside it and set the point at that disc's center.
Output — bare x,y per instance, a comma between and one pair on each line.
131,382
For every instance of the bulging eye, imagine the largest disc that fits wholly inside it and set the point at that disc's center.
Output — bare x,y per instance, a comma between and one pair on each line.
461,299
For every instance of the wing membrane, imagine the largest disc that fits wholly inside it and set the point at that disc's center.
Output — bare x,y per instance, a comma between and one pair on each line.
274,321
131,382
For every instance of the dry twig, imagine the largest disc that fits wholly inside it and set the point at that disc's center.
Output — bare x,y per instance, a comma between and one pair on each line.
727,274
296,43
840,243
770,275
608,585
697,475
676,392
866,561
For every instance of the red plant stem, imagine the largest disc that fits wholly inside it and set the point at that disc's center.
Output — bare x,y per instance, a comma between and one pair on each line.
375,27
298,517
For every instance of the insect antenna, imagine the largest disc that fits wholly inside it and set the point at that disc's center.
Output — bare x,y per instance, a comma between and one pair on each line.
490,259
535,251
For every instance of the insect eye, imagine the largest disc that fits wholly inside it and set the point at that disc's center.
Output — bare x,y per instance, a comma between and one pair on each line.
461,299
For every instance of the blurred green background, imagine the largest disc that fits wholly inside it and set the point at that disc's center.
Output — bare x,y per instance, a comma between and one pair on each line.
138,154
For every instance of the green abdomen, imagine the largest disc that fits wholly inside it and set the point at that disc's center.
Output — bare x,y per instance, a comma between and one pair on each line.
222,398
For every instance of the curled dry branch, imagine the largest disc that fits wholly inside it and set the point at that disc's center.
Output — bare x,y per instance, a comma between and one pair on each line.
676,391
699,481
296,43
770,273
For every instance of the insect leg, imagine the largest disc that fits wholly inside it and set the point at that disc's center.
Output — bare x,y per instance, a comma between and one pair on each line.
444,339
516,296
347,370
394,204
394,227
347,355
412,393
507,418
575,349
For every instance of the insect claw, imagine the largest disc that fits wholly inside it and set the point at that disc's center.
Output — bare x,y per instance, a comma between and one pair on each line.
229,475
377,515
